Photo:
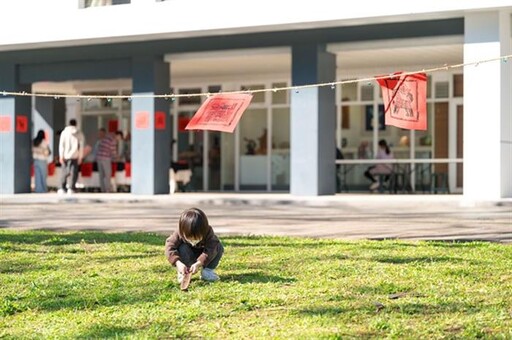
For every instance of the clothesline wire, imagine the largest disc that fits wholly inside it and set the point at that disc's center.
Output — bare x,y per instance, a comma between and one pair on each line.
332,84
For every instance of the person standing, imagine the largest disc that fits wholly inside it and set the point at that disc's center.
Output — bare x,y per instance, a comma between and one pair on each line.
71,148
40,153
105,153
121,150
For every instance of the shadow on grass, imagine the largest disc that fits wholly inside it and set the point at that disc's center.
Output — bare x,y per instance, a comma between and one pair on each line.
8,266
423,259
65,238
324,311
256,277
108,297
107,332
412,308
138,256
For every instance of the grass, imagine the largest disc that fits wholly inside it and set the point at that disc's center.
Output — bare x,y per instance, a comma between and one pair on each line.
96,285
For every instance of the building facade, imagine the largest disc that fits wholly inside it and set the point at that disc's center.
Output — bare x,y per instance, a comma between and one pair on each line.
86,53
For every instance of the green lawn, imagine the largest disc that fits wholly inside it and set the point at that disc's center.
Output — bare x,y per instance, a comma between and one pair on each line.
95,285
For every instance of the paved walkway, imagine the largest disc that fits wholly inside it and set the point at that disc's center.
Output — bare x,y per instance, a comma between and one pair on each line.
432,217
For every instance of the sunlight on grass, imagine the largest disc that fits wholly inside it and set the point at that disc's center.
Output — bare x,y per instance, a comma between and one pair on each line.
96,285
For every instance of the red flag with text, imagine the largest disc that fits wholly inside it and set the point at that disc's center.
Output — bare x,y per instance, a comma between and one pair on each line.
405,100
220,112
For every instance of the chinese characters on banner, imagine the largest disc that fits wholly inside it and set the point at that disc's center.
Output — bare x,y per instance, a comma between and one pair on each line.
220,112
405,100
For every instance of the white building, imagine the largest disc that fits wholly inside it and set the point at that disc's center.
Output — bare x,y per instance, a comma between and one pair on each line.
148,47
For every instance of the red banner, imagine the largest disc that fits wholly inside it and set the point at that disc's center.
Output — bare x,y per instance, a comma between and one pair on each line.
113,125
405,100
160,120
220,112
21,124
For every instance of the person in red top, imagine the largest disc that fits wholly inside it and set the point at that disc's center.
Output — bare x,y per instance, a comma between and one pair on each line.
194,246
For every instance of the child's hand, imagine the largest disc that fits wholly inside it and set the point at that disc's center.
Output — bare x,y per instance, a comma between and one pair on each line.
181,267
195,267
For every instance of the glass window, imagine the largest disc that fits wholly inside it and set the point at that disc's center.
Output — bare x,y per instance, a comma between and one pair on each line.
345,117
349,92
214,160
442,89
429,86
279,97
280,149
227,156
458,85
192,100
366,92
258,97
214,88
253,149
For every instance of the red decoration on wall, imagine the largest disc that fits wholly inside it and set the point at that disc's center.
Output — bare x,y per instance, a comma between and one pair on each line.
114,169
160,120
142,120
5,123
113,125
220,112
405,100
51,169
128,169
182,123
21,124
86,169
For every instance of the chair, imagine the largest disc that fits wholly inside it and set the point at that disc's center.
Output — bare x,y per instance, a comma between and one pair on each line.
400,178
439,183
341,177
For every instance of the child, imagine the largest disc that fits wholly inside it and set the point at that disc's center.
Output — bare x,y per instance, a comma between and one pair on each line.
194,246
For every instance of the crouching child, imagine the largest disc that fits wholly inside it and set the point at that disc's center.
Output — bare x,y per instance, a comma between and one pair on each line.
194,247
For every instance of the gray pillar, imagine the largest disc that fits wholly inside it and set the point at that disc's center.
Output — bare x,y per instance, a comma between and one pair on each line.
313,119
150,139
15,134
43,119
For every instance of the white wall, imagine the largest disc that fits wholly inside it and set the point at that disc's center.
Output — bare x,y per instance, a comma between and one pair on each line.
36,23
487,108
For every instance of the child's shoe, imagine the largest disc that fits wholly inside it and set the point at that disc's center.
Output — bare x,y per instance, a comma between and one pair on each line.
180,277
374,186
208,274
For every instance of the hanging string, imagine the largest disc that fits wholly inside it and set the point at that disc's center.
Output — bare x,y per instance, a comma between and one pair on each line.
332,84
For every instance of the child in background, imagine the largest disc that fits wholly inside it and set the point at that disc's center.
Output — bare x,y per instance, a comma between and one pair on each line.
194,246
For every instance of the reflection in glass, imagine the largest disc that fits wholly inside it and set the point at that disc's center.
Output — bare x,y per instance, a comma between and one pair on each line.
280,149
253,150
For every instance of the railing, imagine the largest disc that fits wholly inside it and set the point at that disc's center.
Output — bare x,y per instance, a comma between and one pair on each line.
100,3
400,161
403,176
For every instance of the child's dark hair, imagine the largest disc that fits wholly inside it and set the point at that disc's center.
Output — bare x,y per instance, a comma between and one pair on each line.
193,224
384,144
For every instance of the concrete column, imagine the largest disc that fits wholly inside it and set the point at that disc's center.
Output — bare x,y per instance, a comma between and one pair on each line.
313,118
487,107
15,133
42,118
151,132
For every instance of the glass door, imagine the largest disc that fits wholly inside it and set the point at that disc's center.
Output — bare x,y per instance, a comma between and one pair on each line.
456,145
253,150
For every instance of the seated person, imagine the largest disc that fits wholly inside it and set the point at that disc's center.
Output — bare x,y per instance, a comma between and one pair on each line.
381,168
